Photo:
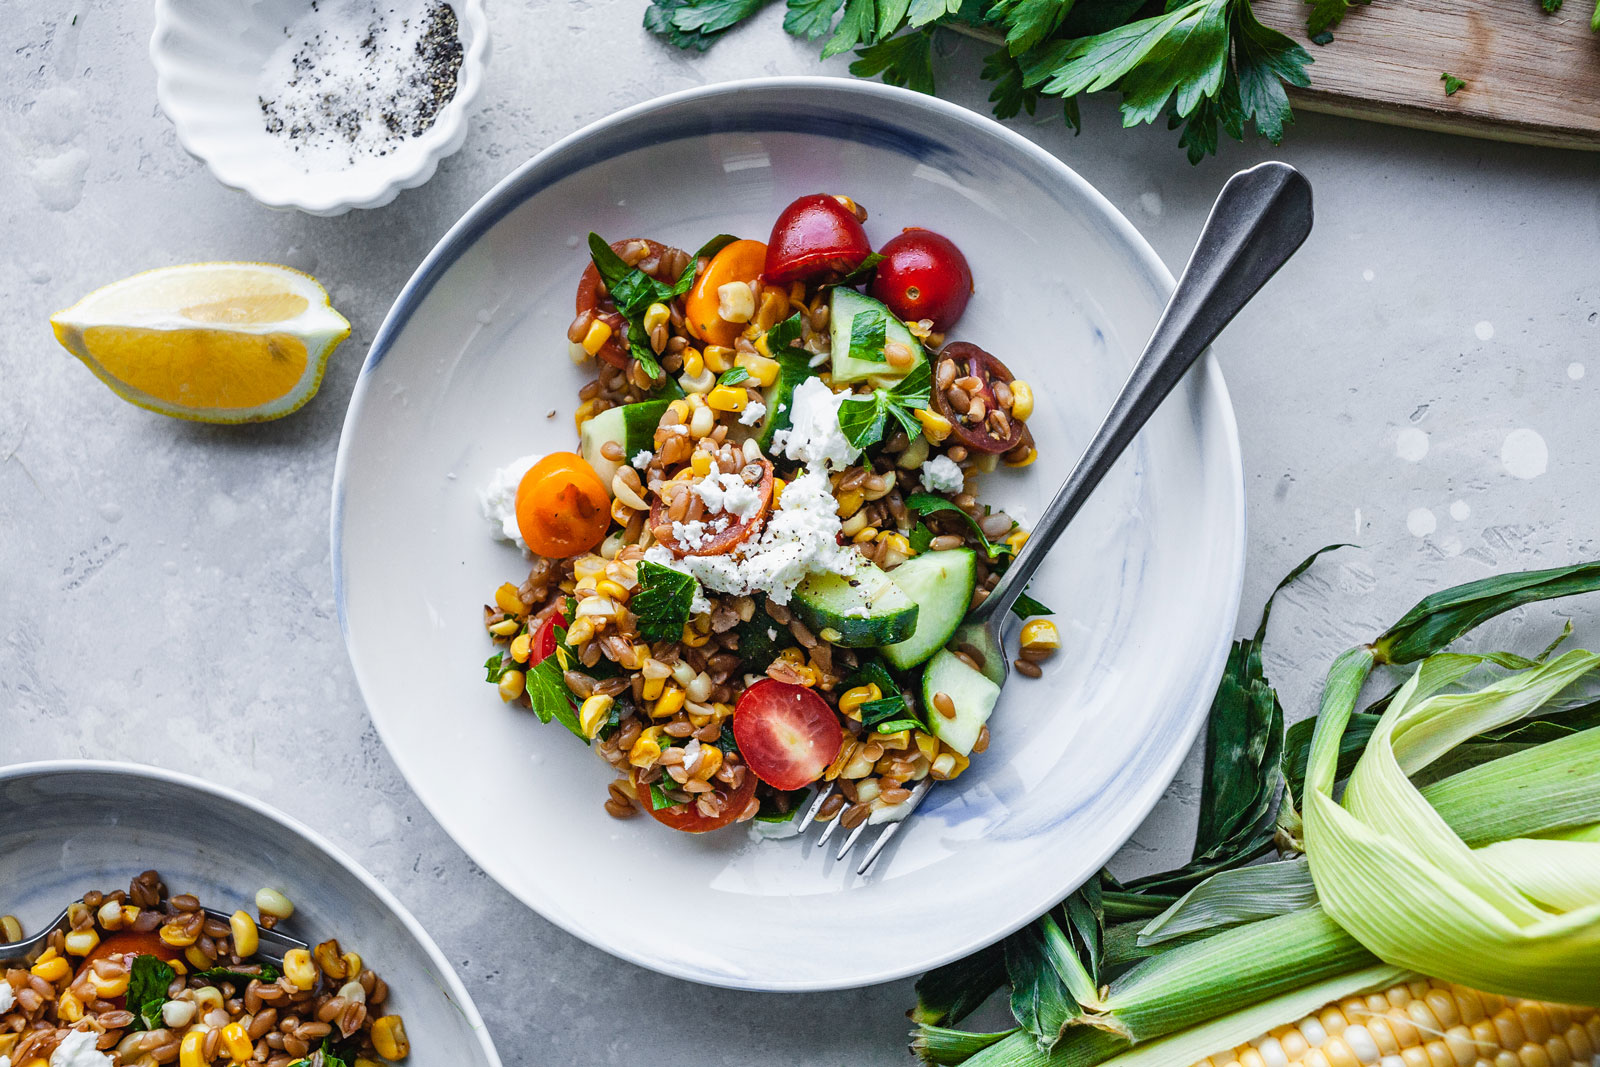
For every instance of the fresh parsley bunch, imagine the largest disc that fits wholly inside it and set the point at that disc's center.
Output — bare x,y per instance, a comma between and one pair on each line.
1206,65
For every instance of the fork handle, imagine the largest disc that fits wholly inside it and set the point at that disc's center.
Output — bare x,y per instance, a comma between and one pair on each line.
1259,219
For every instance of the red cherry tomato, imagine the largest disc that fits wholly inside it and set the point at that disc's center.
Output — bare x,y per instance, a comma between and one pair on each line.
992,433
786,733
923,276
716,541
544,638
615,350
814,237
687,817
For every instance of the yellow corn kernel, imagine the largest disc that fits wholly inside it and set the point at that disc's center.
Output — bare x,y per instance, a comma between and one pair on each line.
850,502
927,744
1021,399
512,686
192,1051
694,364
700,463
935,427
505,627
727,398
761,368
586,411
237,1044
777,490
865,535
656,315
521,649
680,408
389,1038
599,333
793,657
588,566
1026,459
646,748
179,968
197,959
581,632
653,687
10,928
606,587
693,638
54,969
774,306
508,600
1016,539
702,422
592,714
299,968
808,676
1040,634
362,1061
69,1007
735,302
7,1043
671,703
717,358
106,988
175,935
851,700
82,942
352,963
709,763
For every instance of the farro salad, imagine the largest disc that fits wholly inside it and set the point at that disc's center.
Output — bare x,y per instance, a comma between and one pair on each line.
745,578
142,977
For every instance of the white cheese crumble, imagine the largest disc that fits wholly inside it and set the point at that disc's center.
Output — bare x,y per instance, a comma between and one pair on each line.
800,538
893,813
728,493
498,500
814,437
641,458
77,1050
941,475
774,831
7,997
752,414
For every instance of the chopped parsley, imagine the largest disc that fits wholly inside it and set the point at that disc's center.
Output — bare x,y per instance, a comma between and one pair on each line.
1452,84
928,503
267,976
663,601
863,418
1025,607
633,291
869,333
148,982
733,376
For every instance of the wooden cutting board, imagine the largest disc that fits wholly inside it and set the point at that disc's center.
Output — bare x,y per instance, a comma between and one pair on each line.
1531,77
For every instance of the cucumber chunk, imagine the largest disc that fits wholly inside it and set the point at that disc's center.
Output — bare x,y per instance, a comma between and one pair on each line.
794,367
844,305
941,584
972,694
633,426
862,611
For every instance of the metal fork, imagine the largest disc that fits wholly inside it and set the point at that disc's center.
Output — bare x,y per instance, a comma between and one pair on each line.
1258,221
23,953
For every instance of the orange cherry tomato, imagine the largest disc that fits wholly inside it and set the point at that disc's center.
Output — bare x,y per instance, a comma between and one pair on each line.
741,261
563,508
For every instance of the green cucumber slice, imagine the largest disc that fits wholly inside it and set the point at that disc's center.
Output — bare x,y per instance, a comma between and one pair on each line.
972,694
844,305
941,584
633,426
794,367
862,611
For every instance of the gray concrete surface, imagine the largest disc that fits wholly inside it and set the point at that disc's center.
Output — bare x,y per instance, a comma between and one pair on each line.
1414,381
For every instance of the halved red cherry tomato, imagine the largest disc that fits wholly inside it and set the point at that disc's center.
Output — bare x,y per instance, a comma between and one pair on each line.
544,638
923,276
688,818
739,262
130,943
815,237
563,508
615,350
786,733
715,541
987,434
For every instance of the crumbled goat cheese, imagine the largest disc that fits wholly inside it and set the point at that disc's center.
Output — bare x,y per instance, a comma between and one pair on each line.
814,437
893,813
642,458
800,538
77,1050
7,997
753,412
498,500
729,493
941,475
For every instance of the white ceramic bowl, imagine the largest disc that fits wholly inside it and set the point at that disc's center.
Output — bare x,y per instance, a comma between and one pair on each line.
1145,584
209,55
71,826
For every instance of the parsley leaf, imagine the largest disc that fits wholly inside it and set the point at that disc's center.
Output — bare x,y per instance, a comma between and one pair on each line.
870,264
710,17
1028,22
658,798
1026,607
1452,84
868,335
268,975
810,18
760,641
858,26
928,503
785,335
863,418
494,666
921,537
663,601
1010,95
548,694
906,60
148,981
733,376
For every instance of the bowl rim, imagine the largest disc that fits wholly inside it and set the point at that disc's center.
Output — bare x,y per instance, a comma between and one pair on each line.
509,193
452,981
365,186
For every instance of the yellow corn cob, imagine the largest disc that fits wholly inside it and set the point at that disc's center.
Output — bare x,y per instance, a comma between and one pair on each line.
1428,1023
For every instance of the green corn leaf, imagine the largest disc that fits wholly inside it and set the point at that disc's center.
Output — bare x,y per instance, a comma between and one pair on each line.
1037,959
950,993
941,1045
1233,897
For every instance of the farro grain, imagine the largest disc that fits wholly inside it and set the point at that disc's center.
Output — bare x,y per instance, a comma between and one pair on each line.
855,815
1027,667
983,739
944,542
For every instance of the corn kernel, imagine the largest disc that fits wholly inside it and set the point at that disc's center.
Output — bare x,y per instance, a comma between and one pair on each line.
735,302
299,969
389,1038
700,463
927,744
851,700
505,627
850,502
1026,459
693,638
81,942
246,936
774,307
935,427
698,384
274,902
655,315
808,676
607,587
702,422
508,600
521,649
1040,634
198,959
679,409
69,1007
1016,539
236,1042
671,703
1021,399
106,988
727,398
177,936
777,490
53,969
192,1052
761,368
592,714
652,688
512,686
717,358
708,764
130,912
646,748
581,632
793,657
599,333
900,739
352,966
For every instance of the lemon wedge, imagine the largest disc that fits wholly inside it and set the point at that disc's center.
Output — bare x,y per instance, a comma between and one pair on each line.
211,342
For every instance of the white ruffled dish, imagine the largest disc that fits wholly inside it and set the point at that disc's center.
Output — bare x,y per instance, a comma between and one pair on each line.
209,56
470,370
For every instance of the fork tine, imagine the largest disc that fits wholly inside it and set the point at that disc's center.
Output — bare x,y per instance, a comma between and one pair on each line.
918,791
816,806
849,842
827,831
